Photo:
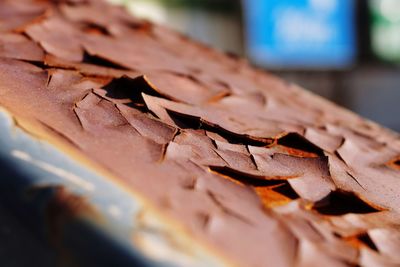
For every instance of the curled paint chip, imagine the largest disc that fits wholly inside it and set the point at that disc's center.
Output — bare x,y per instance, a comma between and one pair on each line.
259,172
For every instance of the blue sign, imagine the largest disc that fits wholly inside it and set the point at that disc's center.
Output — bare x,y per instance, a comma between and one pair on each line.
301,33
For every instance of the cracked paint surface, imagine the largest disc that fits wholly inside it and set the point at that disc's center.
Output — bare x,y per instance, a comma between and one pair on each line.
249,165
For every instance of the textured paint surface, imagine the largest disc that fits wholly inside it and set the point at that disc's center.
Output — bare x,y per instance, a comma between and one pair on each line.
244,165
77,194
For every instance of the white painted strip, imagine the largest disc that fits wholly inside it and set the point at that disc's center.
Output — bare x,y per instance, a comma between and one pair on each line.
54,170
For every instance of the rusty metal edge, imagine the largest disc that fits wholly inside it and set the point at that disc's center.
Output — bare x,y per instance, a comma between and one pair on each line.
85,218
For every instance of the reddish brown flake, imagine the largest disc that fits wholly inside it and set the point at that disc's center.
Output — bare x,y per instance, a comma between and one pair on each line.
259,170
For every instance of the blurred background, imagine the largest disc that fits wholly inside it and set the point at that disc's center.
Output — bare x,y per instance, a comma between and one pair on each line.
345,50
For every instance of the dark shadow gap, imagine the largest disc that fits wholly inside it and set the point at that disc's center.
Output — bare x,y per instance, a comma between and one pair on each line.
246,178
286,190
340,202
132,89
185,121
366,240
296,141
101,62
